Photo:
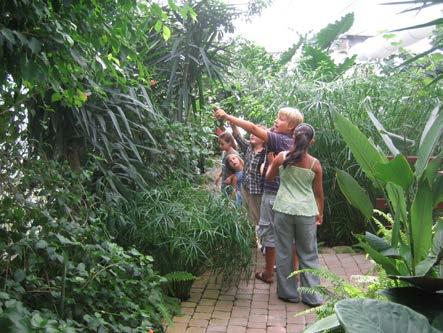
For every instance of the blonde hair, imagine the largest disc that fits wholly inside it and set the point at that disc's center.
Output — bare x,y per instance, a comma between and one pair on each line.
293,115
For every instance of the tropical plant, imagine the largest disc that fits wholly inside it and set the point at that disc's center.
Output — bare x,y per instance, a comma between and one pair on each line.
411,196
316,59
60,270
414,253
185,228
369,315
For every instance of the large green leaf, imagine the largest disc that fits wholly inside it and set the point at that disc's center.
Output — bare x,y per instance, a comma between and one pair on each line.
381,245
387,263
436,252
325,37
429,284
421,222
397,171
396,196
430,137
370,316
354,193
324,324
427,303
364,151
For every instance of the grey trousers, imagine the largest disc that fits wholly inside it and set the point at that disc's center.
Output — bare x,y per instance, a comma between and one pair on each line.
303,230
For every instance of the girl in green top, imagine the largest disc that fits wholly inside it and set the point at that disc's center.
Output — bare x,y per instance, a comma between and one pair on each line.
298,210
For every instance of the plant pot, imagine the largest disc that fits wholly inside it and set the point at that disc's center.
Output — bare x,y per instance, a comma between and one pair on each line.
179,284
381,204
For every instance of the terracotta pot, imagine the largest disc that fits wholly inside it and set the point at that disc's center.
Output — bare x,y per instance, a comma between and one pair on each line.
381,204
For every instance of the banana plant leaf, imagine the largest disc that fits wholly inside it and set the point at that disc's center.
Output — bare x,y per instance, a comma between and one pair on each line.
387,263
436,253
370,315
429,139
421,222
429,284
397,171
397,198
354,193
363,150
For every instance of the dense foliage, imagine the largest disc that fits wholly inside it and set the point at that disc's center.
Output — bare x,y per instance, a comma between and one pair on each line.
98,108
60,269
401,99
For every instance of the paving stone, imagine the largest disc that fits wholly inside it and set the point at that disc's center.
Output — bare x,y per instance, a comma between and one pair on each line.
253,324
182,319
221,315
198,323
236,329
211,294
206,301
255,330
276,329
196,330
258,318
219,322
294,328
187,311
238,321
259,311
215,328
202,315
204,308
177,328
188,304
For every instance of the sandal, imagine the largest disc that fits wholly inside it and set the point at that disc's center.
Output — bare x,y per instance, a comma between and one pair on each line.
261,276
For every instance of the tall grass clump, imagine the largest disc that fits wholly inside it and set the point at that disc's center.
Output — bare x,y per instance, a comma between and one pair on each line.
186,228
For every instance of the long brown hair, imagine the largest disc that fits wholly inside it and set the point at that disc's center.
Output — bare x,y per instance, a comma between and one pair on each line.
303,135
226,136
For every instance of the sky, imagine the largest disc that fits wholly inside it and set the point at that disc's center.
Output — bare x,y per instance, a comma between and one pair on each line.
276,29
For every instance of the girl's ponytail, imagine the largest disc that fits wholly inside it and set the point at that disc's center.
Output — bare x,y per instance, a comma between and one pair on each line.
303,135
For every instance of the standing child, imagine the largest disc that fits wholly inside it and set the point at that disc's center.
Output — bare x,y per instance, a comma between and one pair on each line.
236,178
254,156
278,140
298,211
228,146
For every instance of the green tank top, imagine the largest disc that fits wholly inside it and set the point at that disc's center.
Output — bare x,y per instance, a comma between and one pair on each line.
295,195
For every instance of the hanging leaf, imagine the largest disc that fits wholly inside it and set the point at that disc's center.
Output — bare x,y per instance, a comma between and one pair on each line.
430,137
354,193
325,37
364,151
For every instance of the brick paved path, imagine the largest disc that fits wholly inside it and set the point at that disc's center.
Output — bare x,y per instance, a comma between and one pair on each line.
254,307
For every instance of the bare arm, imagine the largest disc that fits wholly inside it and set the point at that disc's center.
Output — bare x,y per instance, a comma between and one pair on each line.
242,142
273,168
318,190
246,125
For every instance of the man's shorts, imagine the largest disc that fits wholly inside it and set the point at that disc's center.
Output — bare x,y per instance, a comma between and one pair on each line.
265,230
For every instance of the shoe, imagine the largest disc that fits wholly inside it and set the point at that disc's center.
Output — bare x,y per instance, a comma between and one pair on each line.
289,300
261,276
312,305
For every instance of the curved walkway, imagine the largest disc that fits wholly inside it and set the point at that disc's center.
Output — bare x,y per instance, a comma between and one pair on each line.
254,307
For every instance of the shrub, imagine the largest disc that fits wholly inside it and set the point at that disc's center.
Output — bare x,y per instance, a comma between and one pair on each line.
60,270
